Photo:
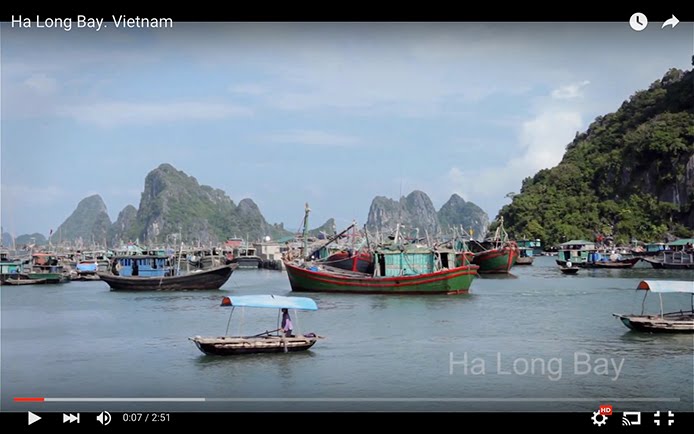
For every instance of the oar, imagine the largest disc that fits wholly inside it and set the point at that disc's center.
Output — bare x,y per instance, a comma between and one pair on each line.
266,332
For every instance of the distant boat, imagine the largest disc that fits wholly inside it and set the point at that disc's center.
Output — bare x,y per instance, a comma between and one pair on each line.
244,255
525,256
584,254
9,268
44,268
672,260
681,321
534,245
275,341
650,249
156,275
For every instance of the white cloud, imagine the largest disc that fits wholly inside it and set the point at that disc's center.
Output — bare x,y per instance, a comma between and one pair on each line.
41,83
570,91
312,137
543,140
110,114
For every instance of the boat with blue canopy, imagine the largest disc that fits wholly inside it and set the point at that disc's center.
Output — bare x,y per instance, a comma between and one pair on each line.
282,339
681,321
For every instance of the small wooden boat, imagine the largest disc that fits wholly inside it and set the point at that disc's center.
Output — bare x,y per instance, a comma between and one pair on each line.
614,264
525,256
275,341
25,281
671,322
569,270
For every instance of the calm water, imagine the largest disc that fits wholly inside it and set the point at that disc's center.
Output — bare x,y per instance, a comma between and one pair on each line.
537,340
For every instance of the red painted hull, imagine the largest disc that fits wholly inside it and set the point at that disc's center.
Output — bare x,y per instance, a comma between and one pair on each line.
448,281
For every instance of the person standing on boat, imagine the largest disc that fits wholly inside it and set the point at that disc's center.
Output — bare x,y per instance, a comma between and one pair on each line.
136,268
115,269
287,327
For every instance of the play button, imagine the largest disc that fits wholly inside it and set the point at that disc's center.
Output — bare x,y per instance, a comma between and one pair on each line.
33,418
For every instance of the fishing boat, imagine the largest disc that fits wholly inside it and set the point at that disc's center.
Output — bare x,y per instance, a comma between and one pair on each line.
496,254
156,273
43,268
243,253
276,341
400,267
681,321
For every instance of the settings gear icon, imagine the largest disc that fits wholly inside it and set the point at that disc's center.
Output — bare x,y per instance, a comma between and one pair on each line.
599,419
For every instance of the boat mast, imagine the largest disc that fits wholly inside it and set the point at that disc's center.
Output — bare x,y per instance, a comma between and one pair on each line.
305,234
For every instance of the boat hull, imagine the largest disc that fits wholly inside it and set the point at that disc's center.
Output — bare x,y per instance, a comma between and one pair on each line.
660,264
34,279
624,263
496,260
525,260
231,346
569,270
201,280
657,324
448,281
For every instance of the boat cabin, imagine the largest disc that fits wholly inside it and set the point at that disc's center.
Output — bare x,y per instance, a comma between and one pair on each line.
148,265
413,261
577,251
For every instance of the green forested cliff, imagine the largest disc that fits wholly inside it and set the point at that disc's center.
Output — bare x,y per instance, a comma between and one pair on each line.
630,175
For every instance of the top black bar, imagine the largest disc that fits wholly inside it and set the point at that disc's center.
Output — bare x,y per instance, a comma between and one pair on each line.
487,12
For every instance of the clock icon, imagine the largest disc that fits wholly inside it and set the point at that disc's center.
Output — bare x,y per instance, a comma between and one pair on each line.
638,21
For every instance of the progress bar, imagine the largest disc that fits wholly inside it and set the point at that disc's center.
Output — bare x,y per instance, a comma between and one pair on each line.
366,399
137,399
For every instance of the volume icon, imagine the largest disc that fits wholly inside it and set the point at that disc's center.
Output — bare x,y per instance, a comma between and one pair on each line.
104,417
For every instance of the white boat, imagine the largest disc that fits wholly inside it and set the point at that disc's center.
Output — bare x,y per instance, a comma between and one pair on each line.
275,341
681,321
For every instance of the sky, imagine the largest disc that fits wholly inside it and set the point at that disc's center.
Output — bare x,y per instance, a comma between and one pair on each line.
332,114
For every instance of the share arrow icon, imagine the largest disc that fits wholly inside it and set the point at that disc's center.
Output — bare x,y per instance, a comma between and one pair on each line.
671,22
